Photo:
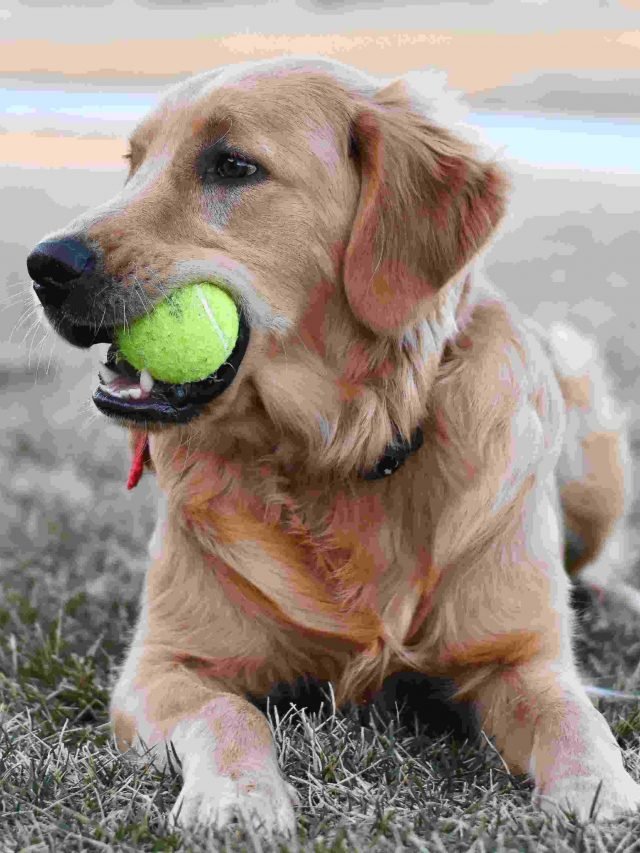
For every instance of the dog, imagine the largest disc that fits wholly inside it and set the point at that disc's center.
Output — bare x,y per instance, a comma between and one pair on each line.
383,475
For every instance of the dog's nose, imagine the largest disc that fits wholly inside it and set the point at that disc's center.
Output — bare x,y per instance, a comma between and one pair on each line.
55,265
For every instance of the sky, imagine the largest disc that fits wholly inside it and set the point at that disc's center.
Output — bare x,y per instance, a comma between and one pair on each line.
548,86
547,140
481,44
104,20
554,85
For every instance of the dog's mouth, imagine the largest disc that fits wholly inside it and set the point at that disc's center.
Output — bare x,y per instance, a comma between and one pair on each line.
126,393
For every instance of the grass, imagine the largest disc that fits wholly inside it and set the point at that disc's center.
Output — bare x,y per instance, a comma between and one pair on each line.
72,559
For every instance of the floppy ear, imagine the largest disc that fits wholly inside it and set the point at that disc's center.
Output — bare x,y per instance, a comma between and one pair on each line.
427,205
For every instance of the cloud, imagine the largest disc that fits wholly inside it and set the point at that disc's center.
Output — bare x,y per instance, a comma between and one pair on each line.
605,93
47,4
336,4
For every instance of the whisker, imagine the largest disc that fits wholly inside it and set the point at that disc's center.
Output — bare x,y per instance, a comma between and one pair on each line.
102,319
41,347
16,283
32,328
90,416
28,313
53,344
36,327
139,291
14,299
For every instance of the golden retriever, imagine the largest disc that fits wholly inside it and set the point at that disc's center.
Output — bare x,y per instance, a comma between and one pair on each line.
377,480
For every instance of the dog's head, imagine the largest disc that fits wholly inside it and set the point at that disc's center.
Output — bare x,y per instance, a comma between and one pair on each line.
336,213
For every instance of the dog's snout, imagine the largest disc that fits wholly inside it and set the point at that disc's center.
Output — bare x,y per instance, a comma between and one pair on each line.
55,265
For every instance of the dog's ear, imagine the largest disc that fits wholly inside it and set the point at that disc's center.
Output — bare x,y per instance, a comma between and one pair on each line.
427,205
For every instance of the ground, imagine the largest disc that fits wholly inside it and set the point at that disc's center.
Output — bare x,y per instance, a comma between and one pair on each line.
73,550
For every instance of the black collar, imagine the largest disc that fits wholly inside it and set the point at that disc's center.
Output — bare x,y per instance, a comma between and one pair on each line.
395,455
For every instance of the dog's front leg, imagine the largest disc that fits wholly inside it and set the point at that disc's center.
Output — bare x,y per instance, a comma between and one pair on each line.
544,723
223,743
229,765
517,632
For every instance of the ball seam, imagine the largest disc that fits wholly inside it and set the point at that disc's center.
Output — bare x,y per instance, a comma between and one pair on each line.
212,318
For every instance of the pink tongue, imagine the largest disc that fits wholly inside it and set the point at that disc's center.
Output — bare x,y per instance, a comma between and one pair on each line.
123,382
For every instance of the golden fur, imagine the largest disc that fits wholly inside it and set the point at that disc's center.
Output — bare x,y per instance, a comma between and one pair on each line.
274,557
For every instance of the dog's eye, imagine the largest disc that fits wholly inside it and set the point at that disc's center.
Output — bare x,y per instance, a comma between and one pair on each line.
234,166
220,165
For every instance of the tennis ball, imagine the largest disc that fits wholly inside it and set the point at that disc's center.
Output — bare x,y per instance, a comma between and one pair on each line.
186,337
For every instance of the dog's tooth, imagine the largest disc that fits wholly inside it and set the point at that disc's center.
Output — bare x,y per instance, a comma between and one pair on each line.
112,392
129,393
146,381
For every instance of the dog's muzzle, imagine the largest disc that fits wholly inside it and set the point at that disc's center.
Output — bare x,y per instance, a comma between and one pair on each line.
67,280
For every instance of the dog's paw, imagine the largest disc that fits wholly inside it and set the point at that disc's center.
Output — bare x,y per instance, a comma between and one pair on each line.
216,801
591,797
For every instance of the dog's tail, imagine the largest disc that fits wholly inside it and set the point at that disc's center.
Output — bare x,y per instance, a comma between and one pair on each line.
595,468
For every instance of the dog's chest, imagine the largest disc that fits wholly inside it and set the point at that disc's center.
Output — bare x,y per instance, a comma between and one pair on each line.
328,563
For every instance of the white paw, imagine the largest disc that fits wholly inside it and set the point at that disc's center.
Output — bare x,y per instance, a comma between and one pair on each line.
216,801
613,796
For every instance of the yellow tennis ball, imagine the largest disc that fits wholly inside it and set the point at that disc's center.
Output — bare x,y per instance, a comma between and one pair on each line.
186,337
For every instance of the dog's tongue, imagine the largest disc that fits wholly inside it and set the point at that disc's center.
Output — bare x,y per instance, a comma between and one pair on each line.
126,387
137,462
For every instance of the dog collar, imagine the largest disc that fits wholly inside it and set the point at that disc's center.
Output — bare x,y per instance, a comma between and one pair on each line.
395,455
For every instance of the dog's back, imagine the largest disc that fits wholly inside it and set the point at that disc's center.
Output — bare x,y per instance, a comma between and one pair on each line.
595,468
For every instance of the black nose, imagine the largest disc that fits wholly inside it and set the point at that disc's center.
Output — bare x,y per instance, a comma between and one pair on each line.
55,265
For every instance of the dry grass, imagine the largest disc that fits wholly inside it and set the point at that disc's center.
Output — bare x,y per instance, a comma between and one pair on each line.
381,780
